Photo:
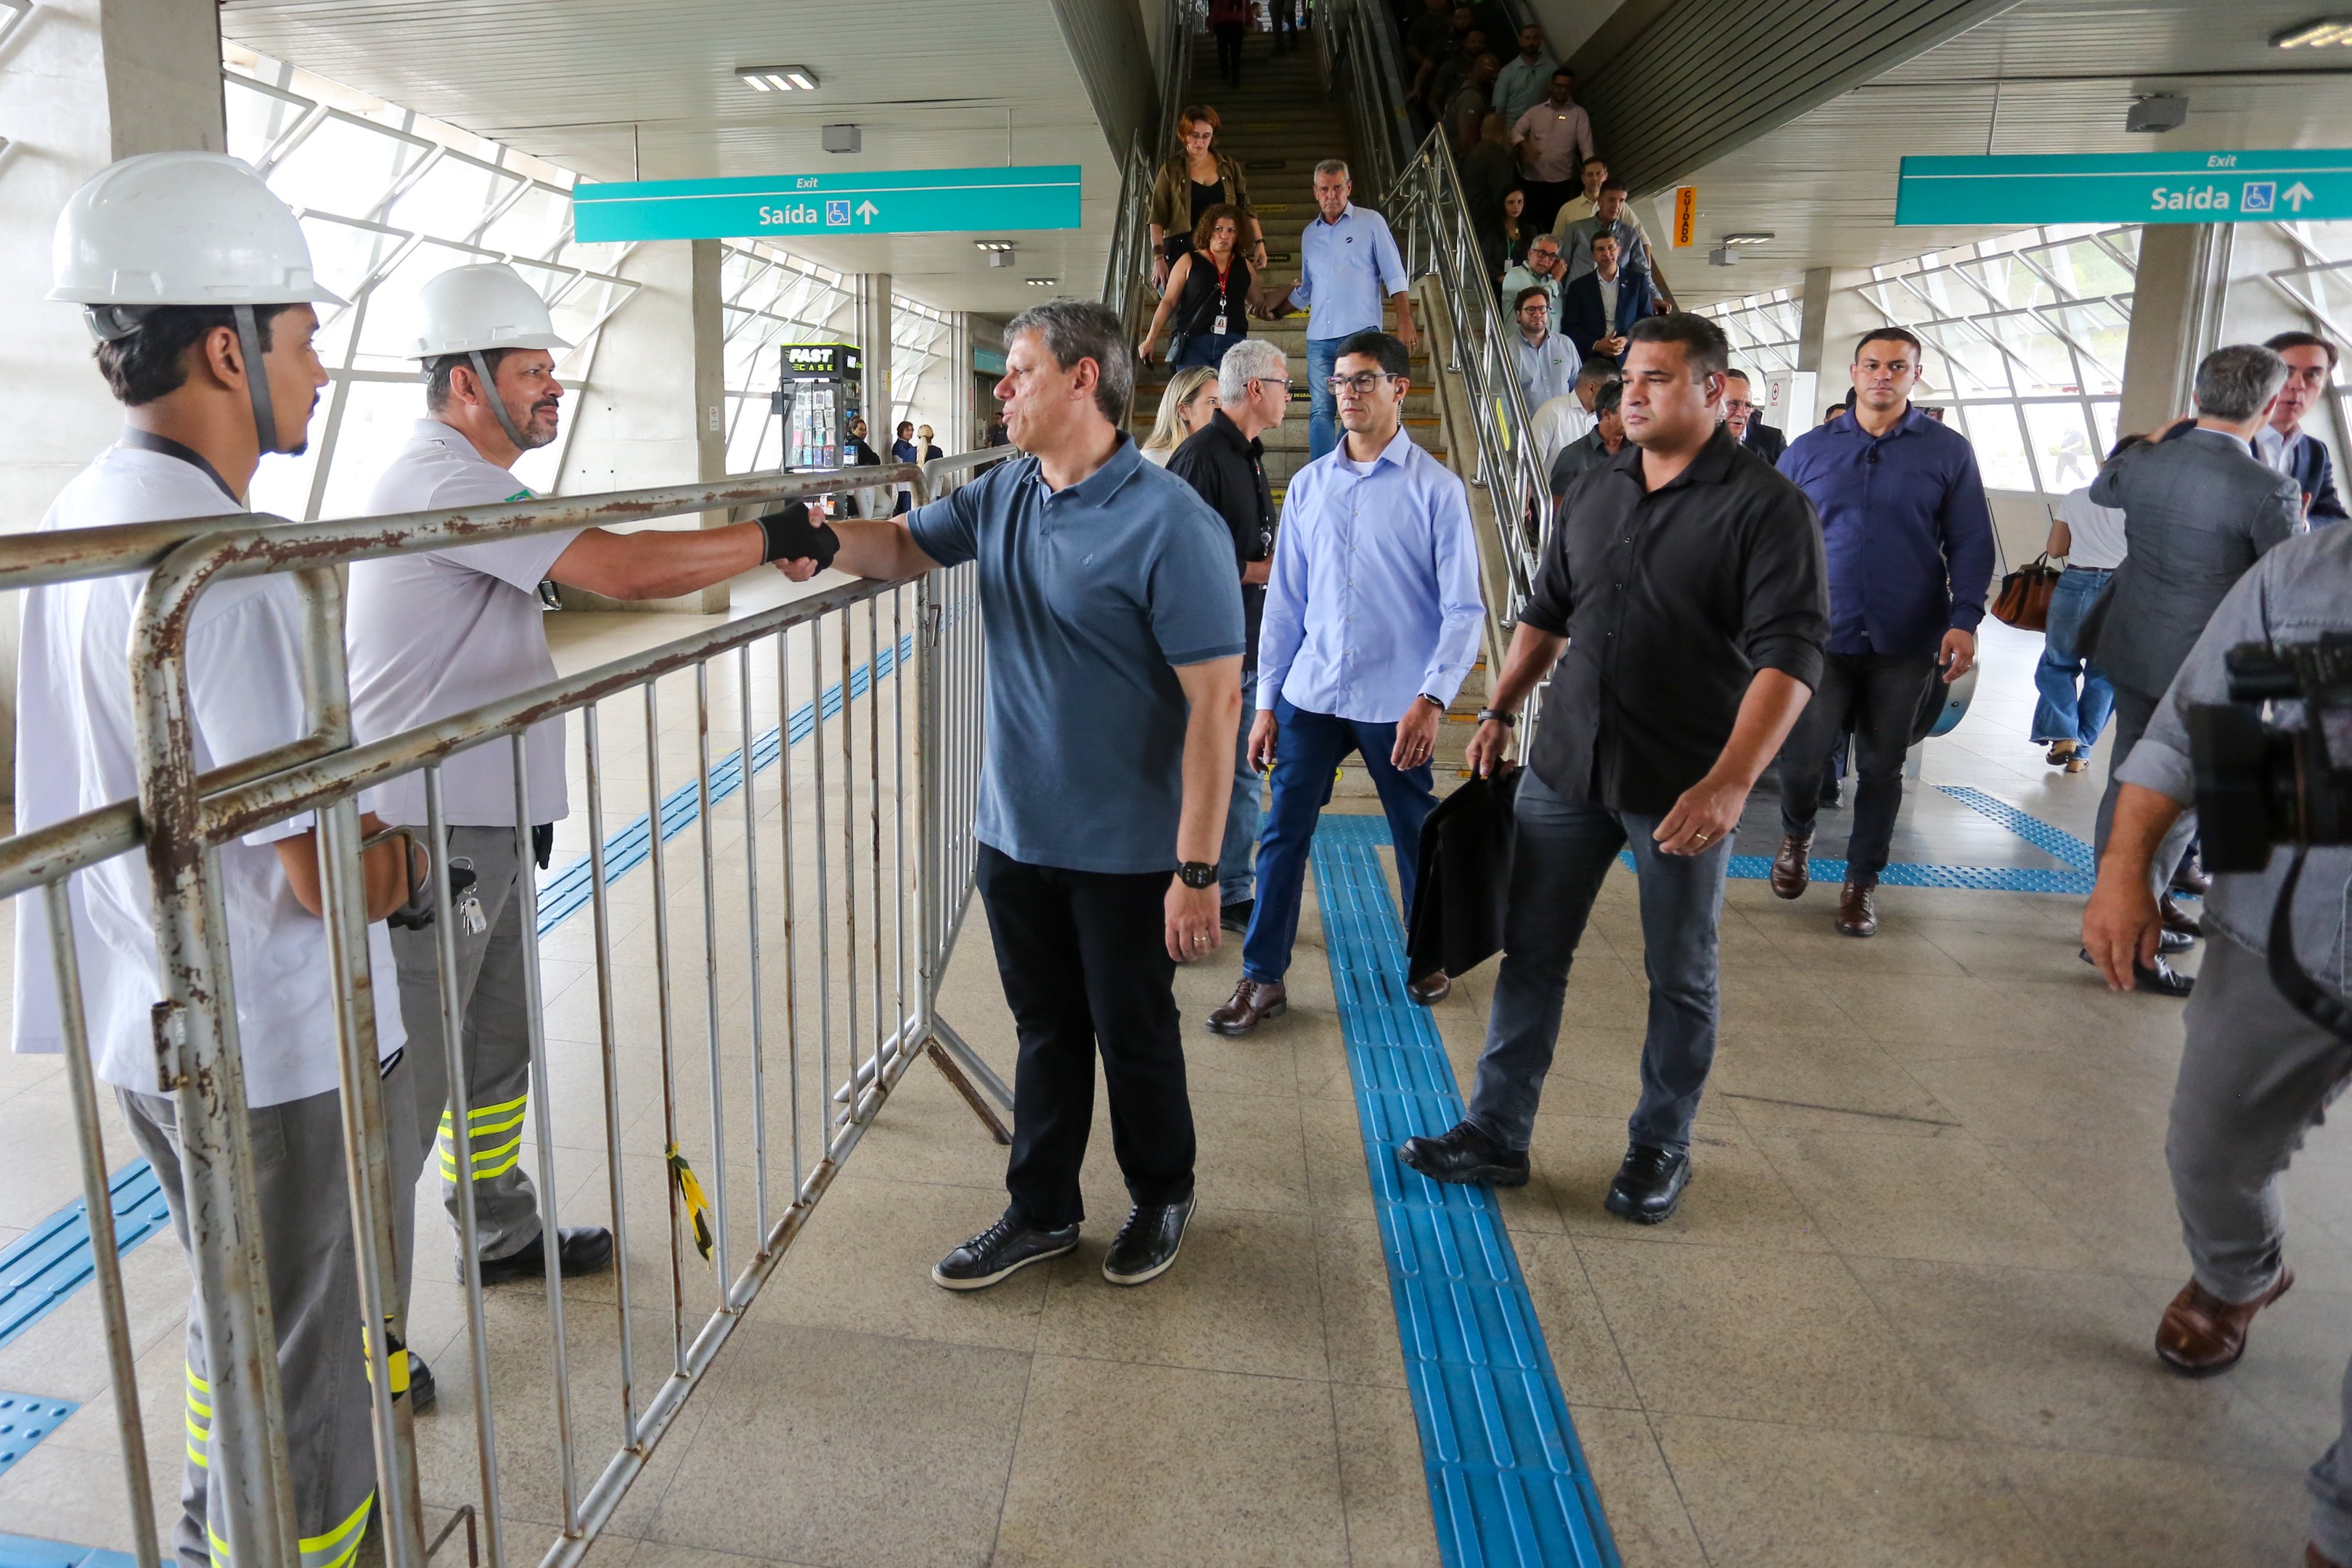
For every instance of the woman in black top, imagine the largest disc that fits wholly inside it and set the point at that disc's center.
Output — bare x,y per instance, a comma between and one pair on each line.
1512,234
1196,178
1208,294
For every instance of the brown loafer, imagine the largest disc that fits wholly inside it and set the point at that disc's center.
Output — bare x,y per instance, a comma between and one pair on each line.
2177,919
2202,1334
1858,907
1251,1003
1792,867
1431,989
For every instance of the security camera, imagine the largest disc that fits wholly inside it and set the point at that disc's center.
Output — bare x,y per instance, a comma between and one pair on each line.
2158,113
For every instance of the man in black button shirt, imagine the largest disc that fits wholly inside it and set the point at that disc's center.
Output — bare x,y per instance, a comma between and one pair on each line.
1225,461
1685,578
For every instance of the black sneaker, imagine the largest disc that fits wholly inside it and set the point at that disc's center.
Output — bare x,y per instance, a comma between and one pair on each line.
1147,1244
579,1249
1234,916
1649,1184
1003,1249
421,1392
1465,1154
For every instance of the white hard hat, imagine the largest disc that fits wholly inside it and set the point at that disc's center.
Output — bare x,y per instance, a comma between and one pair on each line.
469,310
181,228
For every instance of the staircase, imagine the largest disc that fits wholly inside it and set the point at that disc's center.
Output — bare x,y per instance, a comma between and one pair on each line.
1280,124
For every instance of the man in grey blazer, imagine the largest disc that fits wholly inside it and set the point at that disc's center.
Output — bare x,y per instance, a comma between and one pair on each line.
2198,509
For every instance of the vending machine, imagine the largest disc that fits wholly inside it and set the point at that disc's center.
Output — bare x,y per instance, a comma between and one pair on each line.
818,397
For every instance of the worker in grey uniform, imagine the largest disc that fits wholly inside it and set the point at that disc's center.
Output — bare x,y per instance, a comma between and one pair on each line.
199,289
446,630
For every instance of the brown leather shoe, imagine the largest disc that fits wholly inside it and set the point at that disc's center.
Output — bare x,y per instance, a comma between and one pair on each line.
1857,908
1431,989
2177,919
1251,1003
2202,1334
1792,867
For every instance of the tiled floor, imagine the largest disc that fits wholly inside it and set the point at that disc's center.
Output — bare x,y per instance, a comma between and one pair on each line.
1903,1317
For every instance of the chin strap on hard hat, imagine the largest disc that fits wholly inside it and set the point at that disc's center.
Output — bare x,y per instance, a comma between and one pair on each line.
490,395
256,378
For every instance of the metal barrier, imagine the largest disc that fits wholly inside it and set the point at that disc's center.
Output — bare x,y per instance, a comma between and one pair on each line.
826,956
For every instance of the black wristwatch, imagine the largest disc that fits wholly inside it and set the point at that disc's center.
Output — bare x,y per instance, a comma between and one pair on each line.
1196,873
1497,716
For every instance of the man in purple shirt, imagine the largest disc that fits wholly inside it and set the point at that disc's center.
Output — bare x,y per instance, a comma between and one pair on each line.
1909,542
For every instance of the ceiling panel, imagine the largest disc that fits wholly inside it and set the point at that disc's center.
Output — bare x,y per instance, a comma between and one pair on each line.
2046,76
623,88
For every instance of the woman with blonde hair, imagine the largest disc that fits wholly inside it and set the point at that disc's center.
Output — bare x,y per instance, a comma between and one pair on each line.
1184,408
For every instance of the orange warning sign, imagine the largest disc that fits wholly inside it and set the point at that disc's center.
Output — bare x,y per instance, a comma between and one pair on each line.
1685,215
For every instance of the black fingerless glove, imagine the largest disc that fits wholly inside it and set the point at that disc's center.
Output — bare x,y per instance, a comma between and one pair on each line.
792,537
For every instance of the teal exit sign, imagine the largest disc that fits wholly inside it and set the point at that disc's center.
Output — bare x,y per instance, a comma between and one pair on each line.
881,201
2127,187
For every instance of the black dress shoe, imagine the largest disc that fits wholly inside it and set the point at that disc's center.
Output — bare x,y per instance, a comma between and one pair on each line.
1649,1183
1147,1244
1235,917
579,1250
2175,942
1001,1249
421,1392
2157,979
1463,1155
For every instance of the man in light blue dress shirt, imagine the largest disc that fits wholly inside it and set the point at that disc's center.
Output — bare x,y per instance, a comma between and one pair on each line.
1372,620
1347,261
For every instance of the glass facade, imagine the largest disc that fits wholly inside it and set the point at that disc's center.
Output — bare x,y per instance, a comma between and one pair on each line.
389,199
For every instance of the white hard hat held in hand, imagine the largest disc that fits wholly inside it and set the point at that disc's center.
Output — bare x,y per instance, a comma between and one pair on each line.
182,229
470,310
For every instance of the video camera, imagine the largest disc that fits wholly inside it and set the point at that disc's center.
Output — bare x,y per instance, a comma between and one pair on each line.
2267,776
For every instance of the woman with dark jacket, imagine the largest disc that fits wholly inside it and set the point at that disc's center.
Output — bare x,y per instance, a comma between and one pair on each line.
1196,179
1208,295
1510,233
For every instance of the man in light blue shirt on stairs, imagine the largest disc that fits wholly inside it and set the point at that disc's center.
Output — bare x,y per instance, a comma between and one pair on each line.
1372,620
1347,261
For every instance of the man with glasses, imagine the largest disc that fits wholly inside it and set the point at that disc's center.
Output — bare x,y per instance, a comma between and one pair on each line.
1225,459
1347,261
1372,618
1548,364
1541,270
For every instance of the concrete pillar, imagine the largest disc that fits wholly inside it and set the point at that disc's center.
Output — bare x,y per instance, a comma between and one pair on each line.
82,83
654,411
2176,301
871,328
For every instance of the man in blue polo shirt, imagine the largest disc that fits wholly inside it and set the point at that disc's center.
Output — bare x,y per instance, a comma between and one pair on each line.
1113,623
1347,261
1909,542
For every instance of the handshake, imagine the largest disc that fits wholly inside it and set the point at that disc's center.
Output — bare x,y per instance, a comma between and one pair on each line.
790,536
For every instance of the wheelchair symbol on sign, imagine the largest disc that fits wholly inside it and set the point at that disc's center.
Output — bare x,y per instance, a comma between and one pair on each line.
2259,196
836,215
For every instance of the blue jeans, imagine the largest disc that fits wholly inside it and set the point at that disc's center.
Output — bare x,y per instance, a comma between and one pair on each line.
1307,754
1234,876
1323,409
1565,849
2064,713
1206,349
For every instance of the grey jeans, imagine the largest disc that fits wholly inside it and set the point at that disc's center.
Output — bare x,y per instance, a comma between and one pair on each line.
1565,848
496,1043
2256,1077
306,1242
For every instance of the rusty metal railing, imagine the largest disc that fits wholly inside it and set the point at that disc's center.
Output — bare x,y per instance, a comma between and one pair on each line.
821,953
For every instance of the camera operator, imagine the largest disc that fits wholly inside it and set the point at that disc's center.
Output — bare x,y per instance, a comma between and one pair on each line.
2255,1073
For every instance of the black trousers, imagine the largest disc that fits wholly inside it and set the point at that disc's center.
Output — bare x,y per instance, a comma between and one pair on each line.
1085,961
1877,697
1229,49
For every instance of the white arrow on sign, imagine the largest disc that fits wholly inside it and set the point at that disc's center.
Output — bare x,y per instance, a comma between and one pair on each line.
866,210
2296,195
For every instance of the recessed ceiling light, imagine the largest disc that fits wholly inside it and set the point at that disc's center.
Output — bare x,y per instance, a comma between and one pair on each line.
1756,237
777,78
991,245
2318,33
1043,283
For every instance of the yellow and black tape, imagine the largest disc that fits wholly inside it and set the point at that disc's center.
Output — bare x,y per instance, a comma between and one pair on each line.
690,1194
395,1357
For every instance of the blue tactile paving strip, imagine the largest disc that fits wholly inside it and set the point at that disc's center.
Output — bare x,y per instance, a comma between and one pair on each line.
25,1419
1507,1482
25,1551
55,1259
2052,841
568,890
1906,874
